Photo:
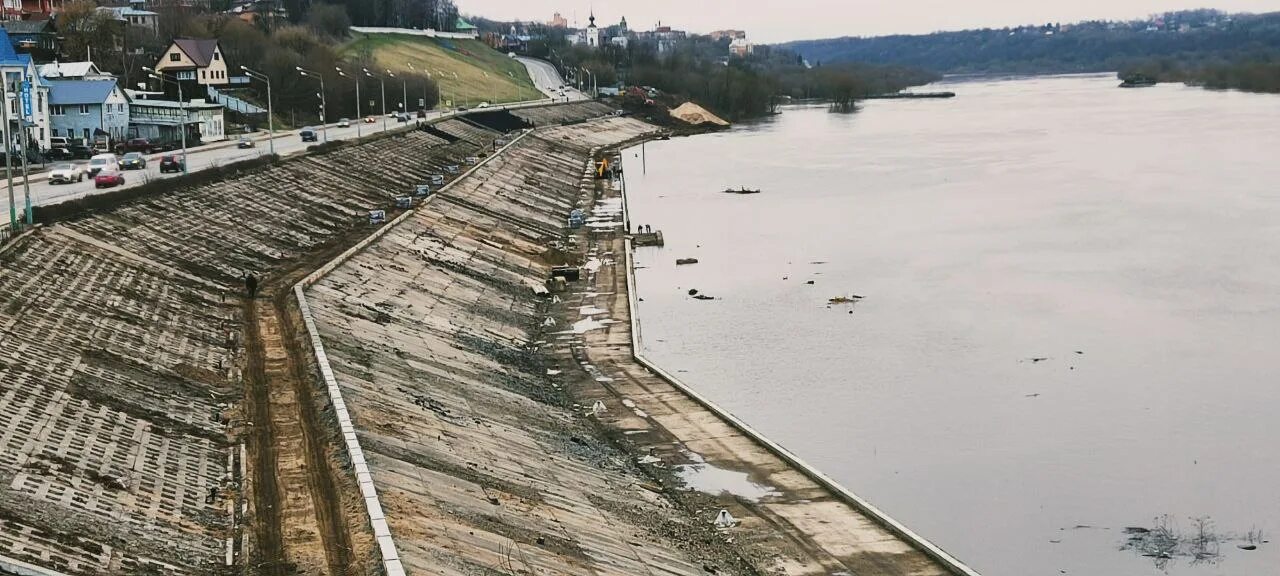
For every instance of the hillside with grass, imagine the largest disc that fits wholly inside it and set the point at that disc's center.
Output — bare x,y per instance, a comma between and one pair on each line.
468,71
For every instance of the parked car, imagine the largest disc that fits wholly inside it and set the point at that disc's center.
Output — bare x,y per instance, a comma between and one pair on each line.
170,163
344,123
108,179
57,154
482,105
66,173
135,145
246,142
59,142
309,135
402,117
80,152
133,161
422,113
102,162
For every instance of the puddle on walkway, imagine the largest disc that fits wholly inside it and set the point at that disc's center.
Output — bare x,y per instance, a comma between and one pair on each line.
709,479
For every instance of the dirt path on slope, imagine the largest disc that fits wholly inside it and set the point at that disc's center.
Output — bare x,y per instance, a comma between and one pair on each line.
307,516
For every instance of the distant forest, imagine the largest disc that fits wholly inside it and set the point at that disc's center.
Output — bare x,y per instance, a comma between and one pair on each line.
1206,47
437,14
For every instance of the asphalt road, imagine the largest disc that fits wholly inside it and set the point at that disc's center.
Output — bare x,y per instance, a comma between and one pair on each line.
43,193
548,80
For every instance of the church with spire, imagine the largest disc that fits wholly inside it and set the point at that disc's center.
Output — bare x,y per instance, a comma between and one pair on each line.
593,36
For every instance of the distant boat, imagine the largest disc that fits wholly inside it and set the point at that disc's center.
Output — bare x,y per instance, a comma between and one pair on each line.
742,190
1138,81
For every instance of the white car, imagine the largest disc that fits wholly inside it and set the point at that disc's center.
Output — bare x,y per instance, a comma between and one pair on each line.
483,105
66,173
102,162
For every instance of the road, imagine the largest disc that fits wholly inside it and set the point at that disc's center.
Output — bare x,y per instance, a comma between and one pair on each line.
43,193
548,80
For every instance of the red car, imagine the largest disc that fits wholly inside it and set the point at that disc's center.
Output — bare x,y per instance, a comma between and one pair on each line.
106,179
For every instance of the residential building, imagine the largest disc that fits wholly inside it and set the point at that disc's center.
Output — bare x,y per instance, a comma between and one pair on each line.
90,109
135,17
558,21
163,120
36,37
196,64
741,48
730,34
72,71
464,27
22,85
254,11
41,9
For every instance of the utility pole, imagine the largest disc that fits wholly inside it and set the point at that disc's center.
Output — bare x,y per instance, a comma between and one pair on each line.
383,82
359,117
271,117
324,108
182,106
22,131
8,150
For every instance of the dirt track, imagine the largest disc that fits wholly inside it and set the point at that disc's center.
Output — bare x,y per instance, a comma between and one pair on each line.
304,508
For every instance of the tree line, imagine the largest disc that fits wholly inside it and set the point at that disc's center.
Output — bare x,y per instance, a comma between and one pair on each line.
1189,37
700,69
1260,74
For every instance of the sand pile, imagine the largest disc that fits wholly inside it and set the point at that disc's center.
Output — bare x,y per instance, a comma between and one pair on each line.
694,114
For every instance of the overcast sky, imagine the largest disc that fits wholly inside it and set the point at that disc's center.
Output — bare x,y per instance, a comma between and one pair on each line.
780,21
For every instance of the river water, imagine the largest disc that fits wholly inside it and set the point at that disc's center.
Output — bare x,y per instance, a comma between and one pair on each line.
1070,315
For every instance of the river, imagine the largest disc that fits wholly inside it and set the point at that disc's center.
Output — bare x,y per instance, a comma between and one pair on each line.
1069,322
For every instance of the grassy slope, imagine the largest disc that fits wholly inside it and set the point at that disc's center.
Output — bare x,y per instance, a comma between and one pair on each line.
469,60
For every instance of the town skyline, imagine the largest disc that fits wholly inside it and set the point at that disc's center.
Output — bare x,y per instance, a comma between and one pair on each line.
813,19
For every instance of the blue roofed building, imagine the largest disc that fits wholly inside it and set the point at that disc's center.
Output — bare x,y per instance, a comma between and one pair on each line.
88,109
25,92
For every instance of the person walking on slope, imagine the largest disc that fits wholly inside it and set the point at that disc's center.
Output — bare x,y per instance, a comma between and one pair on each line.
251,284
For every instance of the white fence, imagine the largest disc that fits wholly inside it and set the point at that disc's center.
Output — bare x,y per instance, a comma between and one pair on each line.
429,33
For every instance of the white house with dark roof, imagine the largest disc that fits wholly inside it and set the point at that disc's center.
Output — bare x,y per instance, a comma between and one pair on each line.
195,63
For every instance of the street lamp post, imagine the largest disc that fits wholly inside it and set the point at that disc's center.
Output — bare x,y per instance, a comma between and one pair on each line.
324,103
440,86
359,116
404,91
271,117
182,106
425,85
383,82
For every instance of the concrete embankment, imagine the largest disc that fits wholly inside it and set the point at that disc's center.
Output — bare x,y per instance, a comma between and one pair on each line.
155,420
508,431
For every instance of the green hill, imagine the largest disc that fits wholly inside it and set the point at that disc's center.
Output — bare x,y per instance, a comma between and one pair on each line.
468,71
